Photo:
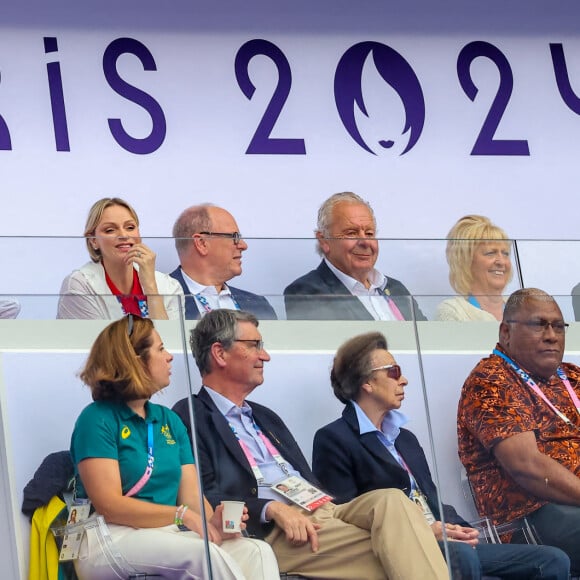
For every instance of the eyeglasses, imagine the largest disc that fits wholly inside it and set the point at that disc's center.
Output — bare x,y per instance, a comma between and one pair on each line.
393,371
258,344
540,326
235,236
130,324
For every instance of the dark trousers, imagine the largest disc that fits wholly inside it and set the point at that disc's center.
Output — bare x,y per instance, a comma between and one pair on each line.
507,561
559,525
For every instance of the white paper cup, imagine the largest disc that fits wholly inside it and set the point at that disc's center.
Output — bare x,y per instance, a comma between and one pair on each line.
232,516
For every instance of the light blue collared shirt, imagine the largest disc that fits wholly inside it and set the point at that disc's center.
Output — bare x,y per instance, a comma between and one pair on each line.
241,419
387,435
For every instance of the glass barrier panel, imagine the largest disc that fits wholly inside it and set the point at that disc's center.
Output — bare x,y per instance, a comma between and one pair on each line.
436,355
265,267
553,266
448,352
41,396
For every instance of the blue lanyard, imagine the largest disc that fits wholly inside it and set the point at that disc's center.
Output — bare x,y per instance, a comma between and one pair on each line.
534,387
150,456
205,304
143,307
473,301
142,304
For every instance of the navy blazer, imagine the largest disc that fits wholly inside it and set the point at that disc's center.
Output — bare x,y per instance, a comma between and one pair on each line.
349,464
248,301
225,471
320,295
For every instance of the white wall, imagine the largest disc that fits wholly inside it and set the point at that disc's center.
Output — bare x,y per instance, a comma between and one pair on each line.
210,122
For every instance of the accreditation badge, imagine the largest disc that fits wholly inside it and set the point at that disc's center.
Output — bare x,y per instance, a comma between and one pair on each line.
74,530
419,498
301,492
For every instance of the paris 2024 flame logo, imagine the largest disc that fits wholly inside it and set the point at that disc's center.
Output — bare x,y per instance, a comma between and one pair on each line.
396,72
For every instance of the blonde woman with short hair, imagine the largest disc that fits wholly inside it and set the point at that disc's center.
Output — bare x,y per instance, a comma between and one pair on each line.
479,257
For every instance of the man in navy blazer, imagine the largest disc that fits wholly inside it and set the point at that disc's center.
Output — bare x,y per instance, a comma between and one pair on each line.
245,451
346,285
222,478
210,247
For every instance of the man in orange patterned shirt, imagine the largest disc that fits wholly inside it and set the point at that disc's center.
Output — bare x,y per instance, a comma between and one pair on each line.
518,425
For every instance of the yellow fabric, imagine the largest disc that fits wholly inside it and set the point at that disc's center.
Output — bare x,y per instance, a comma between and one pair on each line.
43,550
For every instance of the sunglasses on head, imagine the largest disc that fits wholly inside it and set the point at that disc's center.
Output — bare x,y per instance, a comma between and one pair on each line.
393,371
130,324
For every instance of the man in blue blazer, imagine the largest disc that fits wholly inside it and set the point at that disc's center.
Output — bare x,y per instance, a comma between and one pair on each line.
245,451
210,247
346,285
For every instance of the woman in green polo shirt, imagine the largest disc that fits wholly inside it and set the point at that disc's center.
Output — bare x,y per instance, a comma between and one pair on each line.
133,460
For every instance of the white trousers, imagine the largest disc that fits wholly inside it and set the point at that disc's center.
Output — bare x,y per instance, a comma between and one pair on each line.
174,555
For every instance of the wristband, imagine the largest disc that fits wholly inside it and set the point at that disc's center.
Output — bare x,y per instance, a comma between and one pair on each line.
179,513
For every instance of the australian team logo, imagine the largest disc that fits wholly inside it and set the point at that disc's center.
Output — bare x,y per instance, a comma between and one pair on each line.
167,434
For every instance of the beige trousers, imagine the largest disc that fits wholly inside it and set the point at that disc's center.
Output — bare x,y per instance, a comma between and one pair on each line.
381,534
